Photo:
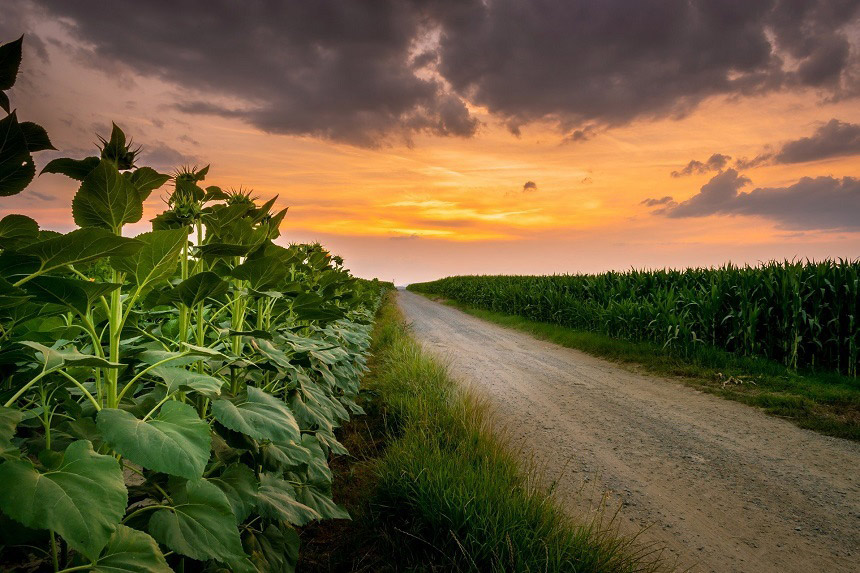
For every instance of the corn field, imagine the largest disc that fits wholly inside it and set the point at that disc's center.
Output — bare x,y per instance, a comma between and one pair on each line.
802,314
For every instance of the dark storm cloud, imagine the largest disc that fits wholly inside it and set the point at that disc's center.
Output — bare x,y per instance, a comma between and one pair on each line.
335,70
14,23
363,72
530,186
715,162
611,61
833,139
821,203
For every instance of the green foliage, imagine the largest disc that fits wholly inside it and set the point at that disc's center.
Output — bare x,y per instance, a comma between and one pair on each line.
74,294
273,548
259,415
240,485
74,248
82,497
156,261
176,441
199,287
17,230
9,420
107,199
74,168
36,137
177,355
276,499
17,139
10,61
199,523
131,551
17,168
53,359
117,151
188,380
804,315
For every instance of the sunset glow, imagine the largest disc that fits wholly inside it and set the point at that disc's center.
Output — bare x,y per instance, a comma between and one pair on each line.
517,195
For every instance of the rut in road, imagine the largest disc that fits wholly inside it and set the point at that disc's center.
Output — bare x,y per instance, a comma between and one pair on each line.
721,485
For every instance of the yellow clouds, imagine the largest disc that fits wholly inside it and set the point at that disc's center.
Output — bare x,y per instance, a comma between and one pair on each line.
429,218
440,218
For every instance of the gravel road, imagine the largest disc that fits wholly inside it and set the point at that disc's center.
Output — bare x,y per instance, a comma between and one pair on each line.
722,486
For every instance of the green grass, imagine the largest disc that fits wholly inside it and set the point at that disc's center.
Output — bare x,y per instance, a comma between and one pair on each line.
446,494
822,401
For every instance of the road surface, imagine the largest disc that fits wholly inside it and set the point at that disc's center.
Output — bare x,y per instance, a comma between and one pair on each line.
722,486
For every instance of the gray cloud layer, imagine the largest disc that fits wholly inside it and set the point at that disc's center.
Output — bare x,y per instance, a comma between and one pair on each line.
365,72
823,203
334,70
715,162
667,200
833,139
611,61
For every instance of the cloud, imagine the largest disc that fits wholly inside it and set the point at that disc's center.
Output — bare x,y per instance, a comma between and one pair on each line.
40,196
607,63
742,163
833,139
715,162
368,73
161,156
13,24
720,190
530,186
820,203
584,134
334,70
667,200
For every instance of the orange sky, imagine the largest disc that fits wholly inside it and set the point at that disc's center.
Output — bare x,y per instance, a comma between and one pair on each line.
448,205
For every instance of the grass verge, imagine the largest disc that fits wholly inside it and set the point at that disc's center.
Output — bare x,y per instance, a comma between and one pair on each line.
822,401
432,489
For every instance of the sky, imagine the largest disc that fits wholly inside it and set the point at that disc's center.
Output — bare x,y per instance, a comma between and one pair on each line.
421,139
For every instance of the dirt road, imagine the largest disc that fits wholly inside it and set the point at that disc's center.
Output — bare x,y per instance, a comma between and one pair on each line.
723,486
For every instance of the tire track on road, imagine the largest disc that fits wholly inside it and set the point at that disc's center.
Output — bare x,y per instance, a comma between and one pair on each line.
721,485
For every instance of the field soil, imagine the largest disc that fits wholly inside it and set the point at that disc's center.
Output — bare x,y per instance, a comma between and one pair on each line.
722,486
